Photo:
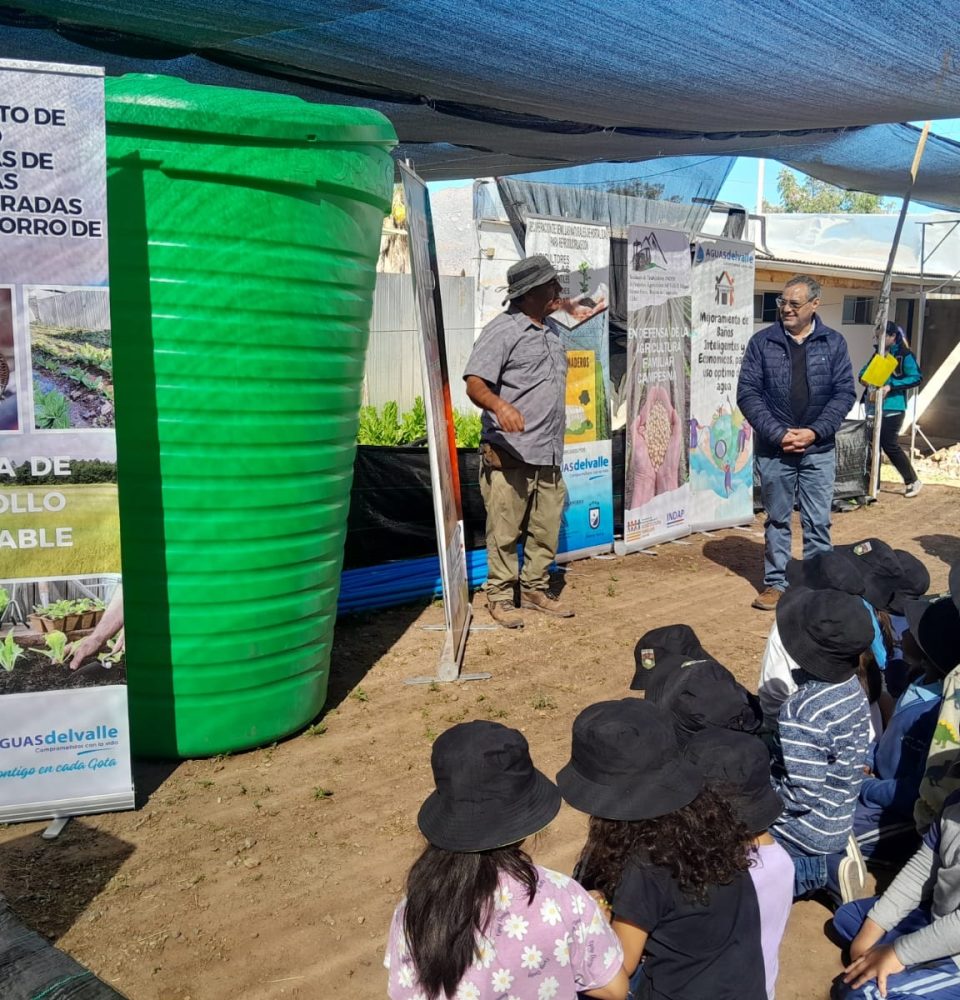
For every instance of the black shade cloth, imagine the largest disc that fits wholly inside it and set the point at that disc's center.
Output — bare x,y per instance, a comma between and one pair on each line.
391,505
32,969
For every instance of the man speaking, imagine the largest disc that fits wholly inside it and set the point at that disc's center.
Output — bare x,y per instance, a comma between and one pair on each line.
796,386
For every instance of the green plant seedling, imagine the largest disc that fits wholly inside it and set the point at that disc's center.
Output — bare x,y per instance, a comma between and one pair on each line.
317,729
114,656
57,649
359,694
321,793
10,652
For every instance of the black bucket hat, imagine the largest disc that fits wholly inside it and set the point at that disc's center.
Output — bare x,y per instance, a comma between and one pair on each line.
826,571
878,564
914,580
954,584
935,625
824,631
705,695
488,792
527,274
663,650
625,763
737,766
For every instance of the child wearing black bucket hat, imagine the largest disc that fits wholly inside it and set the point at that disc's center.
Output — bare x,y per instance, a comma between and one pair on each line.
668,853
824,571
737,766
883,822
823,727
480,920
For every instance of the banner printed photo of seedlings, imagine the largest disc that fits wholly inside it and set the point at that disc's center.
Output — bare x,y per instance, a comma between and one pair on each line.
46,668
71,358
9,416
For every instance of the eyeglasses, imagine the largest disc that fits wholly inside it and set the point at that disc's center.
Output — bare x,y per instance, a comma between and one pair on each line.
784,303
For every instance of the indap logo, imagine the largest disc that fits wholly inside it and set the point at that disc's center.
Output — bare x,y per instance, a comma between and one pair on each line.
676,516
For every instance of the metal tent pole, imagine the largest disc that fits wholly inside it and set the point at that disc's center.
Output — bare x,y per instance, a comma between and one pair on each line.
918,342
883,308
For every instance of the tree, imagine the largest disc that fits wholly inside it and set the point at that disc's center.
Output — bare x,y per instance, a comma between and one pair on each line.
811,195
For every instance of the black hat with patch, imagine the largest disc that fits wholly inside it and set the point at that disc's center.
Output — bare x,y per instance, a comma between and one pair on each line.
662,650
879,566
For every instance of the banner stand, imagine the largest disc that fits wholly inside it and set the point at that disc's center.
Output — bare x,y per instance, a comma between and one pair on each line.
441,439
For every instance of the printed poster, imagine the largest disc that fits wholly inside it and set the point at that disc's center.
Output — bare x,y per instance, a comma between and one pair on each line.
444,471
581,254
720,439
656,487
64,731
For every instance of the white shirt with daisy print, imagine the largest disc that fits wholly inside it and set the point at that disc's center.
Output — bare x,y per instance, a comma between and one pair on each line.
544,950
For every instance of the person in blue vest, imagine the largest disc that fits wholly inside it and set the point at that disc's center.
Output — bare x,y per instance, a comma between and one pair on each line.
904,377
796,386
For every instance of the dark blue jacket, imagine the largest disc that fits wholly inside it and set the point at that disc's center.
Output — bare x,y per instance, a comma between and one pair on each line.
763,392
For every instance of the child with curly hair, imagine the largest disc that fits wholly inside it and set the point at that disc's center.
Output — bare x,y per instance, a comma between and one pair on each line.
668,854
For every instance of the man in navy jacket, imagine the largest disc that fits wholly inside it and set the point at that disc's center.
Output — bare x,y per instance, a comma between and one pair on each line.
796,386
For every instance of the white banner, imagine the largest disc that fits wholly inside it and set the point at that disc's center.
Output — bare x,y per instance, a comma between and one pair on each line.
581,254
444,471
656,491
720,439
64,733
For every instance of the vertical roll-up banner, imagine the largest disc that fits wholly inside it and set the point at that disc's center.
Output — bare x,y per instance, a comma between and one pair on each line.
656,491
64,733
720,439
444,471
581,254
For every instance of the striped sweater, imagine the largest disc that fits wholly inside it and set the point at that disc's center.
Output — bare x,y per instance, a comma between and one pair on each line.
824,741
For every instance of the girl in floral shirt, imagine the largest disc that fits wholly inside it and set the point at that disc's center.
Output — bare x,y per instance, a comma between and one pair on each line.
480,921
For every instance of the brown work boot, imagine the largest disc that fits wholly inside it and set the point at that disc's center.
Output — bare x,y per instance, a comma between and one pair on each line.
505,614
545,601
767,600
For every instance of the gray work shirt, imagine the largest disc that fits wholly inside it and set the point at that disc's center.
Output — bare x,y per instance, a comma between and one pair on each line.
526,366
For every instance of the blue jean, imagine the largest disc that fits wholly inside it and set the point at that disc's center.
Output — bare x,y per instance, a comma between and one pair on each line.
939,978
812,872
784,479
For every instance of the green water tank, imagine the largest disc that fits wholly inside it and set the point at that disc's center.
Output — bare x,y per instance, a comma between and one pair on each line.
244,235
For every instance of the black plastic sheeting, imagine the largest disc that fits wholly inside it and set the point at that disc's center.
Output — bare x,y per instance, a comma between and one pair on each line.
501,88
32,969
391,503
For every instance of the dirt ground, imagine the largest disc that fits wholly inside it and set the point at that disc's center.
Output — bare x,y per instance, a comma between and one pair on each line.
273,873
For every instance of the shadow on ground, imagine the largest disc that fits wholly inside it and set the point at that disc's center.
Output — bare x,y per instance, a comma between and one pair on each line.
50,884
361,639
946,548
740,554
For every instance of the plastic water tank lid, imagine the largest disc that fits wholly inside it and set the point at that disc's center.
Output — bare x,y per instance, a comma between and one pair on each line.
169,103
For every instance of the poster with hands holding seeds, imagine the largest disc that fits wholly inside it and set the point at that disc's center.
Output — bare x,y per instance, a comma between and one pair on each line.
656,488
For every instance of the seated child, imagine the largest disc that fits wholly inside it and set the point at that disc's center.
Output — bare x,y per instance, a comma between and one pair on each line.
823,739
663,650
824,571
479,918
908,940
914,583
668,853
883,822
737,766
704,695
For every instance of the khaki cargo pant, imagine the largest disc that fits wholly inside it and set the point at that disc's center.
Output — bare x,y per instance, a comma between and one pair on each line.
524,504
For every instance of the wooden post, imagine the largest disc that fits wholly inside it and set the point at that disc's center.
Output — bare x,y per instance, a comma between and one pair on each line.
883,309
